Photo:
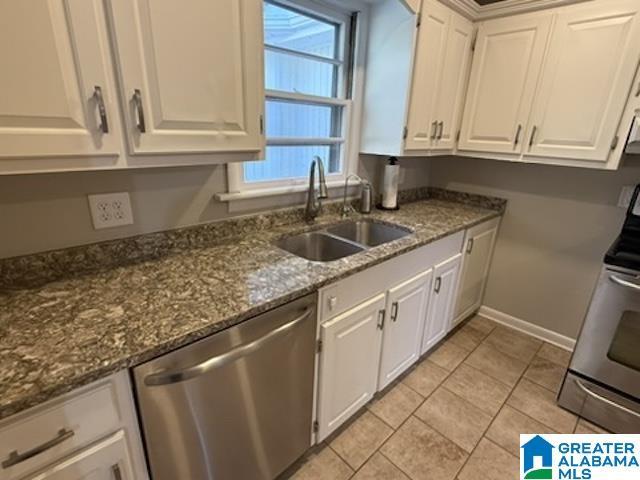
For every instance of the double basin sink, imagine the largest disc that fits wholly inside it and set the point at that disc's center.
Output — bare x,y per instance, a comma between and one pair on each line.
342,240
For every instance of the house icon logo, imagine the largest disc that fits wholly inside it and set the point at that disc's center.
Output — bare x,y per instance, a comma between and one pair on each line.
537,459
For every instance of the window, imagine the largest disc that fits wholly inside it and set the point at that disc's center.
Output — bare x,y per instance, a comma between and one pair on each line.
307,76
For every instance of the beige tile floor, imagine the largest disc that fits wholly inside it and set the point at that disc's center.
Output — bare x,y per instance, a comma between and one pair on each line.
456,415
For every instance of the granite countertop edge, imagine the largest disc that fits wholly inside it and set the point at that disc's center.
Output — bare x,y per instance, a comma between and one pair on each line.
66,384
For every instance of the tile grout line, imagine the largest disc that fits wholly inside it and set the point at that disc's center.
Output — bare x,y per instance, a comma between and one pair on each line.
412,414
487,429
485,432
541,386
440,384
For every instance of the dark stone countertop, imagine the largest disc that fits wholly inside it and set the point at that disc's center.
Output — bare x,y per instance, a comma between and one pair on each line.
63,334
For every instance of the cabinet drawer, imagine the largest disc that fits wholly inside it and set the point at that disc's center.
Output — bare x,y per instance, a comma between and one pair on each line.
41,436
107,459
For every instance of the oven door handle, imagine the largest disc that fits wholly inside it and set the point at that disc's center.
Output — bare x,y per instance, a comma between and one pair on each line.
624,283
611,403
175,376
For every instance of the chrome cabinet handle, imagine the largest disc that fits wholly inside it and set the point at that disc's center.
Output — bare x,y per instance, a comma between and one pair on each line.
518,132
533,136
470,245
175,376
394,311
440,130
15,458
624,283
117,474
381,315
438,284
102,111
611,403
434,130
137,100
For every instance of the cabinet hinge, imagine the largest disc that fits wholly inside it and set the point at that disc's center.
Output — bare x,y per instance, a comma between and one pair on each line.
614,142
419,20
319,346
458,136
316,426
405,133
261,125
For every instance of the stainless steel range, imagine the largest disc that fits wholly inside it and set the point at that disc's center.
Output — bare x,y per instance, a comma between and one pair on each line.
603,380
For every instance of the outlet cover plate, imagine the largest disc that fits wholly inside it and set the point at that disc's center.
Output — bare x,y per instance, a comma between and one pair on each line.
110,210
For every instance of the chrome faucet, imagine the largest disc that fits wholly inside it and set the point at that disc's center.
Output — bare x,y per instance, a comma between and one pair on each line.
314,203
366,197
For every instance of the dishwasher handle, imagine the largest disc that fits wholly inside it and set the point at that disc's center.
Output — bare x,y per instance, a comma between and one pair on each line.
174,376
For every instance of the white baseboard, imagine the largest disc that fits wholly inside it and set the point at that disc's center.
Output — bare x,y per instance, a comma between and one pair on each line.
548,336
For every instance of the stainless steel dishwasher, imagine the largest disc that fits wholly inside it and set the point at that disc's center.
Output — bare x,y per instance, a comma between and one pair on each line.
236,405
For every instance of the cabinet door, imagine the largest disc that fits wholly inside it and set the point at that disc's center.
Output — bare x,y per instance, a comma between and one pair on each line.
442,303
455,73
405,316
588,71
191,74
54,57
427,68
505,71
108,460
349,363
477,257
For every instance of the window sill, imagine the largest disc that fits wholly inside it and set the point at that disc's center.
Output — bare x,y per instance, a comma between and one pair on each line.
270,192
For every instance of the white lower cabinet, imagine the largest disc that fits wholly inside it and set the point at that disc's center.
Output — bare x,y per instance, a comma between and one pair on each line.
406,309
90,433
349,363
372,326
108,460
442,303
377,323
479,244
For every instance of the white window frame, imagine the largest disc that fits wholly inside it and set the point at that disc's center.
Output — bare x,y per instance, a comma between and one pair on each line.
332,10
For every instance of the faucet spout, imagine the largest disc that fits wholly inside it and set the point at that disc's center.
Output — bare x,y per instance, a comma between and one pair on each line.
322,182
314,203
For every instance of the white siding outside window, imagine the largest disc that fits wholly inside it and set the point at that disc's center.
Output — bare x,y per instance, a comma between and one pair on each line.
308,80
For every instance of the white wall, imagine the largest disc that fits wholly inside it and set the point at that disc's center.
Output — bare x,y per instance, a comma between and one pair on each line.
50,211
558,225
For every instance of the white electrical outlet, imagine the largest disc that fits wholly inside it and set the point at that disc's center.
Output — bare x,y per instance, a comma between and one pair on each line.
625,196
110,210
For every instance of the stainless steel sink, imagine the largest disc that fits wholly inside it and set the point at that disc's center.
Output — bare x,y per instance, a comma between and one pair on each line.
367,232
318,246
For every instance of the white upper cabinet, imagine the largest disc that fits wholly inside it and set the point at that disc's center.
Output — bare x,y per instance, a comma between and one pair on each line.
405,315
191,74
586,78
453,83
417,71
57,94
508,58
551,87
427,73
